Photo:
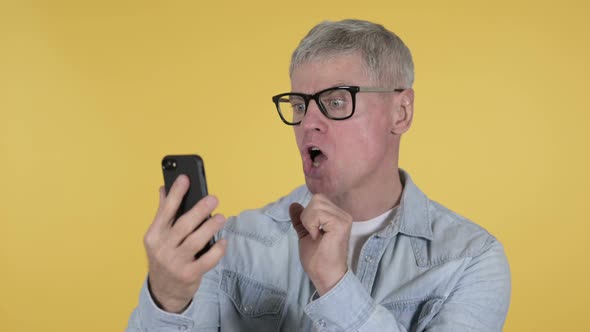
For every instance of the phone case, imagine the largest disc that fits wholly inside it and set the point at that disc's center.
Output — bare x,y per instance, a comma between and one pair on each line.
193,167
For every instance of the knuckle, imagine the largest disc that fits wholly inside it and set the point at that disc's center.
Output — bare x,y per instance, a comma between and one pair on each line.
217,250
202,208
149,240
214,224
220,253
205,264
208,261
158,257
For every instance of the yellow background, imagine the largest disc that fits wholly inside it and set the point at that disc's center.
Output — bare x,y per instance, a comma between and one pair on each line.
94,93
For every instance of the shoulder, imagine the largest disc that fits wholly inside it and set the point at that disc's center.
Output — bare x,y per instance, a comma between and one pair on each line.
437,234
453,237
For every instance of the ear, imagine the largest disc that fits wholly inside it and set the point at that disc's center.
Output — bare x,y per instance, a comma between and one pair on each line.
403,113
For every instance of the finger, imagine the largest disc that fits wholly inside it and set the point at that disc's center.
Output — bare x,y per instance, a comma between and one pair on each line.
162,192
188,222
159,222
295,211
323,212
311,219
199,238
210,258
174,198
162,198
327,221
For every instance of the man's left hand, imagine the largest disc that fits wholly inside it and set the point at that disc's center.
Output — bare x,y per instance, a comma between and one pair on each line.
324,232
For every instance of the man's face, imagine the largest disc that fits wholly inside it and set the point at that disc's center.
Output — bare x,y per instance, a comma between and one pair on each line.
357,154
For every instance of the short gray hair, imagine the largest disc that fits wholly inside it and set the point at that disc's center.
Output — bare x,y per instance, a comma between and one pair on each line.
387,58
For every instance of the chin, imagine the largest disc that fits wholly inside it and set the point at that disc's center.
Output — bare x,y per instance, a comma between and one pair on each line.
317,186
314,186
311,186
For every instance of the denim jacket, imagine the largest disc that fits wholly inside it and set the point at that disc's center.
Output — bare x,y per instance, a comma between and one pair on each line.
428,270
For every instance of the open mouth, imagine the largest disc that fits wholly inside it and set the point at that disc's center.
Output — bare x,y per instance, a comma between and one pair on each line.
316,155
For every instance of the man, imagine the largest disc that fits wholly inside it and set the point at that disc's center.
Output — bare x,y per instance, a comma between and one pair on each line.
359,248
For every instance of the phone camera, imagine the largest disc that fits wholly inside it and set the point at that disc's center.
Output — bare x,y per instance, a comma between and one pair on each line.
169,164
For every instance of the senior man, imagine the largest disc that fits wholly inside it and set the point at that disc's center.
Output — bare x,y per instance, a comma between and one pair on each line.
358,247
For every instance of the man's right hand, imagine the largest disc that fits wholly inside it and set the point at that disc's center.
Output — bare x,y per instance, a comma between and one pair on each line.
174,274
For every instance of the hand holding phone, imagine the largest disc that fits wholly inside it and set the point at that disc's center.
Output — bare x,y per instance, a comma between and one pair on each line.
174,237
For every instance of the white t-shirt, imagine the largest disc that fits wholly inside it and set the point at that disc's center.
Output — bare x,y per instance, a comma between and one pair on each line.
360,233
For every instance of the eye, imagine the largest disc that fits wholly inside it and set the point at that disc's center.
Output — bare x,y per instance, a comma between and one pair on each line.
336,103
298,108
336,100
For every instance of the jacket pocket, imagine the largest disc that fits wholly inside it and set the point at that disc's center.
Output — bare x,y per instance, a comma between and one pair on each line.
256,306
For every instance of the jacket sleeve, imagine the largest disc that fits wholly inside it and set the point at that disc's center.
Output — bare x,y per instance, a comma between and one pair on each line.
201,315
478,303
349,307
480,300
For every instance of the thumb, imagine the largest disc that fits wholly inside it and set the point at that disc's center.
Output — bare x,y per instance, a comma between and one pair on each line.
295,211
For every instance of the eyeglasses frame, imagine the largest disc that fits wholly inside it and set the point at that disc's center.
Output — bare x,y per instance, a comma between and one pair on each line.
307,98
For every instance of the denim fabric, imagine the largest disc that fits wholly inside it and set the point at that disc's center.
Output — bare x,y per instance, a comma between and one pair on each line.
429,270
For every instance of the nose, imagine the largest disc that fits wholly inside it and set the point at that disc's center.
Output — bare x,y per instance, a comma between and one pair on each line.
314,119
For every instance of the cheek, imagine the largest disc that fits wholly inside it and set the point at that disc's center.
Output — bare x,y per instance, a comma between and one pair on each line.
356,142
369,143
298,135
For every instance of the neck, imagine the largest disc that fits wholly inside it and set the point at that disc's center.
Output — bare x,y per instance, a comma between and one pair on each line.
372,200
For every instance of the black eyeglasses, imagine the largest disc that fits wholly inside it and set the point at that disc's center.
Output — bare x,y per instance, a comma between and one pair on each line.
337,103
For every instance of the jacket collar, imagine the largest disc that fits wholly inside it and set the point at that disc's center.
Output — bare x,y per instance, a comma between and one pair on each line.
411,219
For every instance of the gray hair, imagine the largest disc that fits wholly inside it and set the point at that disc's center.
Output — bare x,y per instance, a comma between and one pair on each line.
387,58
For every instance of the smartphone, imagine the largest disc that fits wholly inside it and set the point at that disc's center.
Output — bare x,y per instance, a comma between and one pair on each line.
191,166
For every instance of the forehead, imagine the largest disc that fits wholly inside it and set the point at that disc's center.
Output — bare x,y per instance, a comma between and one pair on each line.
329,71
